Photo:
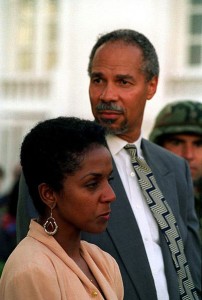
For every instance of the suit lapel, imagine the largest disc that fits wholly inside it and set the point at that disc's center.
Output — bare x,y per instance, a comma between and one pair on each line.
163,172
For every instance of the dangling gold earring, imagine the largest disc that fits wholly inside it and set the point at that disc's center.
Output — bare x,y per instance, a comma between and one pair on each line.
50,226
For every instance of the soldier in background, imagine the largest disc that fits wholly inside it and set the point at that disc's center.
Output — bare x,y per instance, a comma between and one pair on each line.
178,128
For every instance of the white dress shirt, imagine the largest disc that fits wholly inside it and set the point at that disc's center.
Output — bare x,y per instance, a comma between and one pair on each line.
146,222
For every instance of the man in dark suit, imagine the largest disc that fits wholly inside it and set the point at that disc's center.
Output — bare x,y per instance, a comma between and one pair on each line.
123,70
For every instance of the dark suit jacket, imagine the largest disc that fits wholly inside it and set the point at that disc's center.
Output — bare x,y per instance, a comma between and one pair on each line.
122,239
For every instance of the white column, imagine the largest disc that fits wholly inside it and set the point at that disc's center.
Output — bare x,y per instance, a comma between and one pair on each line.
61,102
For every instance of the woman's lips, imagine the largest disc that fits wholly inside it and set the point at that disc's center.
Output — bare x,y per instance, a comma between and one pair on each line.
105,216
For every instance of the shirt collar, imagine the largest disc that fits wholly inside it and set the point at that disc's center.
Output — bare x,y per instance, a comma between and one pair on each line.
116,144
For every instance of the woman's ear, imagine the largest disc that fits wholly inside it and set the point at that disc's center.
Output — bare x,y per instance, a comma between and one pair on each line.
47,195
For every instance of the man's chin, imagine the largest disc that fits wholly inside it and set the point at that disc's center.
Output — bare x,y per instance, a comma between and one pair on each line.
110,126
112,129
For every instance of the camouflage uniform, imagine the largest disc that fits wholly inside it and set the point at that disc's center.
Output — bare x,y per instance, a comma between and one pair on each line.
177,118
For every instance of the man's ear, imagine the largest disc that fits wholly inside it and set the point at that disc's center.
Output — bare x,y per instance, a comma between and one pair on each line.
47,195
152,87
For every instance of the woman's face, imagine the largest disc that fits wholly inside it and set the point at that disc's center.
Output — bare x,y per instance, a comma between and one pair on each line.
84,202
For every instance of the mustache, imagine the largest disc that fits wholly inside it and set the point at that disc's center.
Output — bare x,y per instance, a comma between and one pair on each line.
108,106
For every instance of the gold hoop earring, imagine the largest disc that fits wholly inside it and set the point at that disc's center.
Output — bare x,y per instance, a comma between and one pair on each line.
50,226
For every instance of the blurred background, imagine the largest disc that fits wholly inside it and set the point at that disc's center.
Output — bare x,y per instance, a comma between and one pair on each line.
44,50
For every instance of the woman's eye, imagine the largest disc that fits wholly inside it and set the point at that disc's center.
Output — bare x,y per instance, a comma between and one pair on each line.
92,184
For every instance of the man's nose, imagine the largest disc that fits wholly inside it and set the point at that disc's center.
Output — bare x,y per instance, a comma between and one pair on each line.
109,93
188,152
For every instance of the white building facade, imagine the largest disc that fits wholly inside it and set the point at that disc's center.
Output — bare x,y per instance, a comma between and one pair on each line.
44,49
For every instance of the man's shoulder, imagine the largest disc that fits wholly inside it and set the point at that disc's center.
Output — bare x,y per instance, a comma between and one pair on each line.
155,152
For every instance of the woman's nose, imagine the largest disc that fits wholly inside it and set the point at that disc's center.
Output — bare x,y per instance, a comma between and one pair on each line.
108,194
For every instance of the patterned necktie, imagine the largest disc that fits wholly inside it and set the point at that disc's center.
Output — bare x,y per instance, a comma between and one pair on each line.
166,221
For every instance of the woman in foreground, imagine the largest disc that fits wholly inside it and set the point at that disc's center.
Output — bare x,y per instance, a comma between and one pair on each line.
67,168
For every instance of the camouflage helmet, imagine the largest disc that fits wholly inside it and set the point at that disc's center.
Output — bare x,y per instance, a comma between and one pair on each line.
177,117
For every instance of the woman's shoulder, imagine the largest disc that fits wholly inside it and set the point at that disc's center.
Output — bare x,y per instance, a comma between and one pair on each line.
28,255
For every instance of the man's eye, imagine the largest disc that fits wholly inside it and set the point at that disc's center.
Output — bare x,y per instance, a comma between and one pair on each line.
175,142
96,80
111,178
198,143
124,82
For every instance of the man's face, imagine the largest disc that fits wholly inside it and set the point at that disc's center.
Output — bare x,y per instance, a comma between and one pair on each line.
119,90
189,146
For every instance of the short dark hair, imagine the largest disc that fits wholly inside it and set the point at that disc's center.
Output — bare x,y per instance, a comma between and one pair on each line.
150,66
54,149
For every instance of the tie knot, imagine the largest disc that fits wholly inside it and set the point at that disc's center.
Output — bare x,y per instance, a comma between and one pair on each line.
132,150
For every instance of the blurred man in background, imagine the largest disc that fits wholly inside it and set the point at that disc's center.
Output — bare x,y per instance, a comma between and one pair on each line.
8,211
178,128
